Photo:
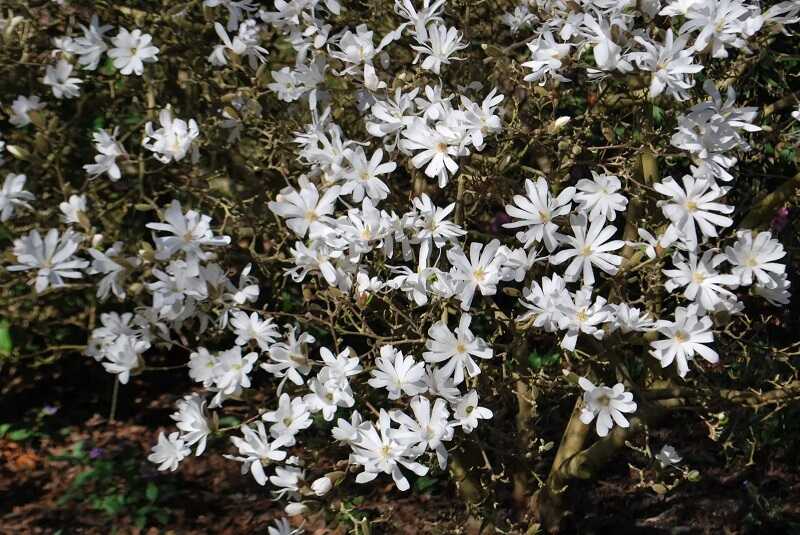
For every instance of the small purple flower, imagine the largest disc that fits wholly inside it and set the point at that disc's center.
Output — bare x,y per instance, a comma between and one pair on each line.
97,453
781,219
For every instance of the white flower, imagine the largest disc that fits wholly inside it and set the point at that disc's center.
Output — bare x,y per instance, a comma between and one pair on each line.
480,271
290,418
668,456
437,147
132,50
173,140
232,373
627,319
589,247
545,302
304,210
547,59
58,78
322,486
429,428
288,479
192,421
290,358
362,176
467,411
519,18
168,452
52,258
109,150
202,366
686,336
21,107
347,432
581,315
114,267
189,233
756,258
671,64
432,227
536,211
13,195
480,120
252,327
693,206
73,209
341,366
91,46
398,374
328,395
703,283
457,349
439,43
281,526
124,356
379,452
607,404
256,450
599,197
777,291
721,23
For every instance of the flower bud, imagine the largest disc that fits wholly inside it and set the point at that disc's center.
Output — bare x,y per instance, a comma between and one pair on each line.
322,486
296,508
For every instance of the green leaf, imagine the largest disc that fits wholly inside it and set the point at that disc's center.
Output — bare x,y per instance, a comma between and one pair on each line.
20,434
229,421
6,344
151,492
4,429
424,483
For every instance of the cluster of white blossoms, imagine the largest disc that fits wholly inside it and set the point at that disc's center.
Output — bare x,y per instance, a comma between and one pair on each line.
344,237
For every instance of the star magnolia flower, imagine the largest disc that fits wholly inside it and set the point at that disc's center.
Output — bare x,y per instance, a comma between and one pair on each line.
13,195
190,232
132,50
693,206
437,147
124,357
91,46
252,327
686,336
581,315
305,212
457,349
290,358
106,160
192,421
168,452
21,107
467,412
590,247
362,178
703,283
600,198
51,257
480,271
290,418
398,374
429,428
379,452
439,43
547,56
58,78
607,404
173,140
256,450
756,258
671,64
536,211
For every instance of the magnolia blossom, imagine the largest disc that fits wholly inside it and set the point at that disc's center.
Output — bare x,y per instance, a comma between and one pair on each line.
685,337
467,412
756,258
256,451
252,327
429,428
109,149
439,43
548,57
192,421
536,211
703,283
437,147
52,257
589,247
132,50
169,451
600,198
13,195
305,212
21,107
398,374
581,314
607,404
456,349
362,177
693,206
59,80
671,64
173,140
290,358
290,418
481,271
